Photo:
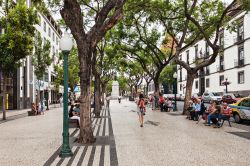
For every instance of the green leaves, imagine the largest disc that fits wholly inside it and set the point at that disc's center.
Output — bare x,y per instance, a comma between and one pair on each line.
73,68
41,59
17,41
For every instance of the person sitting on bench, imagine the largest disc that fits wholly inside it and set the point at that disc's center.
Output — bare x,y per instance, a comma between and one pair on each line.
226,112
74,114
213,116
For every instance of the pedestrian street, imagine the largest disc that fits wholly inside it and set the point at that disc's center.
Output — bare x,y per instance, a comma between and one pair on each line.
167,138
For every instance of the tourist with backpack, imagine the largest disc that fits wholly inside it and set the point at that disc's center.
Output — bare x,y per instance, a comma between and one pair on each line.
141,109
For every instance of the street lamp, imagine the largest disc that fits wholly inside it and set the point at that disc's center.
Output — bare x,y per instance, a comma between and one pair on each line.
175,91
65,45
226,83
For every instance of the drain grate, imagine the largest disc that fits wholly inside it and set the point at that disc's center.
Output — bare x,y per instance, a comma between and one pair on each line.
152,123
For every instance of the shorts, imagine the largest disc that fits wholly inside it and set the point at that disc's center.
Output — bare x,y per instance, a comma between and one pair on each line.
141,112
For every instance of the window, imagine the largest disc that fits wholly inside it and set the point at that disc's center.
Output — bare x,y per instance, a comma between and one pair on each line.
241,78
44,26
245,103
57,41
221,62
187,52
240,31
180,87
53,36
180,73
49,32
207,50
221,79
241,56
207,70
196,85
53,54
221,39
196,52
52,78
207,83
46,77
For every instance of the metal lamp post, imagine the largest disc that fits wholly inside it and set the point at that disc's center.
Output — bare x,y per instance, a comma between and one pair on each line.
65,45
175,91
226,83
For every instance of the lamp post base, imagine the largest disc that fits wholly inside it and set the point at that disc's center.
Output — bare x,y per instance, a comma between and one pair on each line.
65,152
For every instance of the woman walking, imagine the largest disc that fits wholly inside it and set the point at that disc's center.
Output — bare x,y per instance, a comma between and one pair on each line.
142,109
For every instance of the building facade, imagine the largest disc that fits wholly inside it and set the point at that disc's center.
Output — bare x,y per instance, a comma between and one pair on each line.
23,87
231,65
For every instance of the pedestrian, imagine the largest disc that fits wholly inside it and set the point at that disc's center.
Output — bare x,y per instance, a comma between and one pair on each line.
61,101
161,101
41,108
153,102
141,109
107,101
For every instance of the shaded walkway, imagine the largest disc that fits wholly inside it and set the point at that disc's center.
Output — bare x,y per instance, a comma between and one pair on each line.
102,152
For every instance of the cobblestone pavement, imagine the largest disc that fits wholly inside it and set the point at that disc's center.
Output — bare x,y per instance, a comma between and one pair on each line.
166,139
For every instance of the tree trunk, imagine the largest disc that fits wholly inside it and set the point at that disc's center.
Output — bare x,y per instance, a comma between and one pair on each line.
86,132
156,84
4,96
136,90
97,96
188,94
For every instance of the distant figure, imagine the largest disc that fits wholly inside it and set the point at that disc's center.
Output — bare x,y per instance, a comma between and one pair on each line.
119,99
161,101
141,110
40,108
107,101
61,101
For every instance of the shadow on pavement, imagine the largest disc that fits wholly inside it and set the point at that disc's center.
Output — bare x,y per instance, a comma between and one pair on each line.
14,117
242,134
104,149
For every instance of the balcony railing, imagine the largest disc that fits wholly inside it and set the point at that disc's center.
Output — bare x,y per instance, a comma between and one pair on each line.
238,39
239,63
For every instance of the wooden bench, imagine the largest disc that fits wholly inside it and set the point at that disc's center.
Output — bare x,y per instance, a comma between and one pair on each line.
73,123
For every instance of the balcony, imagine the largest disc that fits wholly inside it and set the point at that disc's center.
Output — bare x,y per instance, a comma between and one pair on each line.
220,68
238,39
239,63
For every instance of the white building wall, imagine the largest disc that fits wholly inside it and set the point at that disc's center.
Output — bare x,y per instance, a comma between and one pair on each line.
230,57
